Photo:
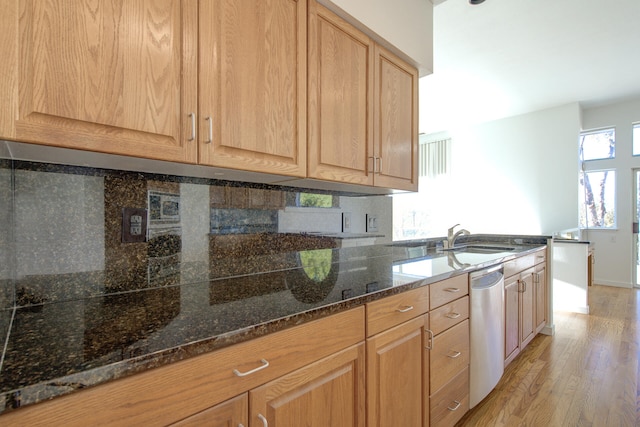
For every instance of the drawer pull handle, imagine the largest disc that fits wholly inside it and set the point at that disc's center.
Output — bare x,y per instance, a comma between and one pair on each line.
193,126
264,420
452,290
429,345
455,355
253,371
210,120
406,309
452,315
455,407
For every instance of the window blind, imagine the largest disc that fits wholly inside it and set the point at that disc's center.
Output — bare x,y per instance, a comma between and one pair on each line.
435,158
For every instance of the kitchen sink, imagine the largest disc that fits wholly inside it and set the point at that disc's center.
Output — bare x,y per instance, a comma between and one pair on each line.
481,249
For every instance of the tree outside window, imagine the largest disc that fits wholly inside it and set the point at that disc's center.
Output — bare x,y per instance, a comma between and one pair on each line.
597,188
597,199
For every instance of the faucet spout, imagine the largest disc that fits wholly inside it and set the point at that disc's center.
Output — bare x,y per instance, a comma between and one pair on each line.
451,236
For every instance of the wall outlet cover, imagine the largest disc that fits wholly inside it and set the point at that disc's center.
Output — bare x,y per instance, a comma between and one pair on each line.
346,222
371,223
134,225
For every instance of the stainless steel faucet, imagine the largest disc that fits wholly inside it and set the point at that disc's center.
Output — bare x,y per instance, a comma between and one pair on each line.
451,236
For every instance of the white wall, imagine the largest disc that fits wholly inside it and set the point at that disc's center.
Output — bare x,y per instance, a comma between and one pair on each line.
516,175
614,251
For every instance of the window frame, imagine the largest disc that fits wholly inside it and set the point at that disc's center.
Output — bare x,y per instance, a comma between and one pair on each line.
592,132
582,206
634,126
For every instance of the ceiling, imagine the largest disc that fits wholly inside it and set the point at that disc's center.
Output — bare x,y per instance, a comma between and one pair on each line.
508,57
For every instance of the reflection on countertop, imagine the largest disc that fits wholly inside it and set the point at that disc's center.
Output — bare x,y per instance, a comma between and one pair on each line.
57,347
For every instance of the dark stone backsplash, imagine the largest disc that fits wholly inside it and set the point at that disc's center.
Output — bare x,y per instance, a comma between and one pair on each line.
61,237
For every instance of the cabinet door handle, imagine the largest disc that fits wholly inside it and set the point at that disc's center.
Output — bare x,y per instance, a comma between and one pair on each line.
452,290
454,355
193,126
457,405
405,309
265,423
379,164
373,164
429,345
210,120
253,371
452,315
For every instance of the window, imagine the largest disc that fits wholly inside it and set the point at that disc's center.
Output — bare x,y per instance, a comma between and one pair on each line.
597,199
636,139
426,213
598,144
312,200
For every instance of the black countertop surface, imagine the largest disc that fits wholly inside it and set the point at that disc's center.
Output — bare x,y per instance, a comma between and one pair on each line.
59,347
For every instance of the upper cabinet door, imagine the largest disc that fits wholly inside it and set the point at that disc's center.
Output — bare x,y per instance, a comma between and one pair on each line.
115,76
396,122
252,77
340,99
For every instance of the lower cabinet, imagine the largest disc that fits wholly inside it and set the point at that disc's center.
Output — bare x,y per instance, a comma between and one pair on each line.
330,392
451,402
525,302
397,376
540,284
234,412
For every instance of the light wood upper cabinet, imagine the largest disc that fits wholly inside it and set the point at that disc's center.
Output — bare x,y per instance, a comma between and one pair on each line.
115,76
252,77
363,107
396,122
340,99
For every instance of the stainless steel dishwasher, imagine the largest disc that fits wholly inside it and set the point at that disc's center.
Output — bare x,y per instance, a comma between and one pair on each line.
486,364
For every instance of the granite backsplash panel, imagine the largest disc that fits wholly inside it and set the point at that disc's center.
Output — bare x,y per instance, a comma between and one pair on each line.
62,233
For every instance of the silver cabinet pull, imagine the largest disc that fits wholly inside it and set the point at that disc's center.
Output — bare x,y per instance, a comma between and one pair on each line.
240,425
452,315
452,290
193,126
454,355
379,164
253,371
406,309
265,423
429,345
210,120
373,164
457,405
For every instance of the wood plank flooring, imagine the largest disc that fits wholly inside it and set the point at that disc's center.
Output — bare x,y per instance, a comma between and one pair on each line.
584,375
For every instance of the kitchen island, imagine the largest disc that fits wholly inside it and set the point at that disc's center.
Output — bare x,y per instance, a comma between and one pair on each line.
57,348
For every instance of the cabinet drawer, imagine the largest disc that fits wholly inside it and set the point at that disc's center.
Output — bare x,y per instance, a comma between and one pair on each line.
448,405
449,354
391,311
449,315
540,256
448,290
149,398
522,263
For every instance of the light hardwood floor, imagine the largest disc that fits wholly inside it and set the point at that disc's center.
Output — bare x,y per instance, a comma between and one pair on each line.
585,375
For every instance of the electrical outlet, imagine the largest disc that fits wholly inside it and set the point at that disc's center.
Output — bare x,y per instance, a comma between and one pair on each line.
346,222
371,223
134,225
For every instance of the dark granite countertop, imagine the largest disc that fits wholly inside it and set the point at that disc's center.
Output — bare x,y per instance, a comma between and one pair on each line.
59,347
